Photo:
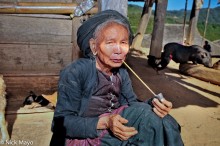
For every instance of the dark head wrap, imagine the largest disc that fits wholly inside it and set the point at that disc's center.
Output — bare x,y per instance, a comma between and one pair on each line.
86,30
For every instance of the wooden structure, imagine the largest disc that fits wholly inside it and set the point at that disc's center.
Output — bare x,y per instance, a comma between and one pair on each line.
35,47
146,13
38,39
206,21
201,72
36,42
158,29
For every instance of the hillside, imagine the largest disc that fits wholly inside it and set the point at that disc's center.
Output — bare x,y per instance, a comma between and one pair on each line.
213,15
177,17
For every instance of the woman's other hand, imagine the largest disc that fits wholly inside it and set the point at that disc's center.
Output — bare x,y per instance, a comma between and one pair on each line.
161,108
116,125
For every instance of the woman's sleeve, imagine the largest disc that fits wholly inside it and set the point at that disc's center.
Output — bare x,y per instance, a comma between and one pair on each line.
66,116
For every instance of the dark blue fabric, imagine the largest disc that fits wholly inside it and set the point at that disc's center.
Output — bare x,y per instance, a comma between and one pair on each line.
152,130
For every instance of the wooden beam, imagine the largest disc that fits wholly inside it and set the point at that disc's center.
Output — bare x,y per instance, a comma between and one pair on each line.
184,22
206,21
40,8
136,44
34,58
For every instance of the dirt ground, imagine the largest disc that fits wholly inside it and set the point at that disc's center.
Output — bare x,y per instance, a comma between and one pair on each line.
195,106
196,103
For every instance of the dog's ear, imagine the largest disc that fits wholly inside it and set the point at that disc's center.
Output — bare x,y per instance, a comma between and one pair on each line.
31,93
28,100
34,96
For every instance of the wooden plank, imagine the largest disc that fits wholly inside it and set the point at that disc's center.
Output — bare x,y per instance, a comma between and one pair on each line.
52,16
41,8
36,30
201,72
20,86
29,73
63,1
34,57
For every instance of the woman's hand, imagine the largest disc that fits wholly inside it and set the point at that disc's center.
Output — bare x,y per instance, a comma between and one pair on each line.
161,108
116,125
103,122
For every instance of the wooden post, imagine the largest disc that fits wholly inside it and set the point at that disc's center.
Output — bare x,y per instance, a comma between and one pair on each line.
206,22
158,30
119,5
184,22
197,4
75,48
142,24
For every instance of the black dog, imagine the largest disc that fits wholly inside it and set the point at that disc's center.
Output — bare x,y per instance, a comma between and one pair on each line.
32,97
180,54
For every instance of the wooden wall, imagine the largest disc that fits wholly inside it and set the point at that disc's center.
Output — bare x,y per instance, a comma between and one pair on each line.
34,48
30,44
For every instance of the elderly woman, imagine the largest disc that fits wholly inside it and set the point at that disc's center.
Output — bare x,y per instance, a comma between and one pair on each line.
96,103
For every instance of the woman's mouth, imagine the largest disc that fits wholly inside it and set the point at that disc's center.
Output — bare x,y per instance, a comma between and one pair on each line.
117,60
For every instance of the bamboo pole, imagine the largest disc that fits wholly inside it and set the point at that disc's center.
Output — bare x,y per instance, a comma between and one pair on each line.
40,8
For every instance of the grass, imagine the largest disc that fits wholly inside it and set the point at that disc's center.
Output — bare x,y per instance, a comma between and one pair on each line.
212,31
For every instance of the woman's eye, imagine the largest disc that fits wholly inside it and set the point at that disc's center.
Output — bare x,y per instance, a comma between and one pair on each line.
124,42
109,42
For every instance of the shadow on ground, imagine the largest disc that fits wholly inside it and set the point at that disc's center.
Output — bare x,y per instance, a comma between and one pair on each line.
170,86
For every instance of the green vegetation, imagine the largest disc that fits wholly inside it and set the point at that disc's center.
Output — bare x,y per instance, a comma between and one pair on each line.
212,31
134,14
177,17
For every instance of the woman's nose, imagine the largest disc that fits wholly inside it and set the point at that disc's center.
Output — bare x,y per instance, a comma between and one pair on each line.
117,49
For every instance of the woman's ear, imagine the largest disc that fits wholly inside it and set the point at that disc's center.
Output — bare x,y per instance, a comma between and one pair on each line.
92,44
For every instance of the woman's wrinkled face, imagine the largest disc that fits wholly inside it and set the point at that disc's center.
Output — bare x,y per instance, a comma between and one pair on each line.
111,46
